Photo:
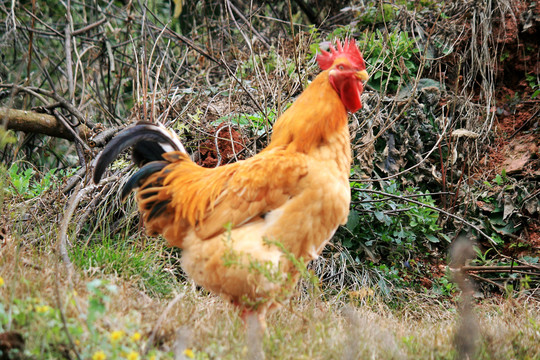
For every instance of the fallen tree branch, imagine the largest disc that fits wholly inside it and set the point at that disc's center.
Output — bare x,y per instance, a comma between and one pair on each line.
33,122
51,94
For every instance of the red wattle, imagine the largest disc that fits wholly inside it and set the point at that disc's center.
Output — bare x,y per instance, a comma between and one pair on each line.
350,90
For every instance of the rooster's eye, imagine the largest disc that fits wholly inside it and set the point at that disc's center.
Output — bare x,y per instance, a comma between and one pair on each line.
341,67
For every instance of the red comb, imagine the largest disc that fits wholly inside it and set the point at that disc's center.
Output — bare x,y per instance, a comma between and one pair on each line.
348,50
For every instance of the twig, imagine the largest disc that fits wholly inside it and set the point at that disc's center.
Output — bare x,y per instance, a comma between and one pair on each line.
34,17
533,116
156,81
73,180
76,136
521,262
501,287
80,154
297,63
67,48
62,249
216,138
248,93
68,213
62,314
533,195
88,27
30,50
261,38
498,268
160,320
405,196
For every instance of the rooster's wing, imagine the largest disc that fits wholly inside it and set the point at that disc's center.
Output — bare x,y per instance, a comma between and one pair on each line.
206,200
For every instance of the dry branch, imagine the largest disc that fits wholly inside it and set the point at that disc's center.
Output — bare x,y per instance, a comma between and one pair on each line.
33,122
506,268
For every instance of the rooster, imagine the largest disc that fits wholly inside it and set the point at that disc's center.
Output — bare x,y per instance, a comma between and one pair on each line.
244,227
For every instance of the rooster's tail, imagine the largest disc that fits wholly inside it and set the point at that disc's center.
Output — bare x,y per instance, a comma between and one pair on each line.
149,141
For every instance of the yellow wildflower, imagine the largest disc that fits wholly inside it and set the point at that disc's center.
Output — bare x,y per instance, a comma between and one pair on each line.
189,353
133,355
1,281
152,357
136,336
42,309
99,355
116,335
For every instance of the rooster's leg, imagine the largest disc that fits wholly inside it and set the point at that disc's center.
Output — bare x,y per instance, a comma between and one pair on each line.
255,324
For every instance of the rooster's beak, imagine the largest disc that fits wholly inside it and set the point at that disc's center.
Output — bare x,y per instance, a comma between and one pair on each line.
362,75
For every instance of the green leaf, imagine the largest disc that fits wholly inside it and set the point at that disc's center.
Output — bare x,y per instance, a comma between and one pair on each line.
353,221
445,237
400,234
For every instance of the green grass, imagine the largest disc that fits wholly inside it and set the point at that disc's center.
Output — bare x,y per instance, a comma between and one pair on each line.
103,301
150,264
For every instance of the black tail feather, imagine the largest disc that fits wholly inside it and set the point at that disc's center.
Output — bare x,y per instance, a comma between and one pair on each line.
150,141
146,151
136,179
158,209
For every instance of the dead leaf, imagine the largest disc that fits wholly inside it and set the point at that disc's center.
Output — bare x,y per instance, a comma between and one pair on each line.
508,207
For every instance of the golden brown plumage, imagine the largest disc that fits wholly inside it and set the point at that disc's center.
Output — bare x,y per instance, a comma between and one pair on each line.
239,224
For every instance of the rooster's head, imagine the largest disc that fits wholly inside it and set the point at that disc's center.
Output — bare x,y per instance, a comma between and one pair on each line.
346,72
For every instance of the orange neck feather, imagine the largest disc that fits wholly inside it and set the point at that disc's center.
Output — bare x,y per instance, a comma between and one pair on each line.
314,117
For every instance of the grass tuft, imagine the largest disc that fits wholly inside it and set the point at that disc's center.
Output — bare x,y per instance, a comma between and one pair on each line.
151,265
